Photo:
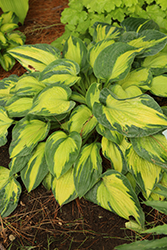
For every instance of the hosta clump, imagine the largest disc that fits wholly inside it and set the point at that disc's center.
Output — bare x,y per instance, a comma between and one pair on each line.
9,38
74,109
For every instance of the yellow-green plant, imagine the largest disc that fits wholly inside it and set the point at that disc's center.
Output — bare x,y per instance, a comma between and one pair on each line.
73,109
9,38
20,8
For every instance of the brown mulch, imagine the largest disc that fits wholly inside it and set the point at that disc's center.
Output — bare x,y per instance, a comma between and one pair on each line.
38,221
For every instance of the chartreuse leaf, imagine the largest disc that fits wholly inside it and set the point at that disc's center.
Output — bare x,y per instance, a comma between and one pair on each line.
10,191
18,107
153,148
16,38
114,193
13,6
156,63
129,92
25,136
103,31
114,62
8,27
138,24
160,191
5,123
97,48
159,86
77,97
7,61
74,49
18,163
139,116
5,86
146,174
114,154
35,57
141,78
63,188
52,100
36,168
152,41
4,176
144,245
28,86
61,152
87,168
82,121
92,94
60,71
3,39
111,135
9,17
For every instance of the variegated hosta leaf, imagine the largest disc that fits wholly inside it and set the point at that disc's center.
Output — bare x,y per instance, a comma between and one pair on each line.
74,49
104,31
92,94
152,41
9,193
17,164
97,48
140,77
4,176
129,92
138,24
61,152
35,57
20,10
9,16
114,154
5,86
28,86
5,123
153,148
114,193
53,100
7,61
77,97
157,63
160,191
25,136
36,169
111,135
16,38
82,120
159,86
147,174
62,71
18,107
114,62
88,168
63,188
3,40
8,27
139,116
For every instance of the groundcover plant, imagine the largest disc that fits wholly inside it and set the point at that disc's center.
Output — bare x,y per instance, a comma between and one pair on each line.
9,38
74,108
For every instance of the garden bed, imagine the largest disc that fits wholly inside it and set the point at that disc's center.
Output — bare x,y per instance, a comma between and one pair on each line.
38,221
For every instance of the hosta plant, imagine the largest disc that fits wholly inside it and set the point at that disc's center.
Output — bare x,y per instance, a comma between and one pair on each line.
9,38
73,110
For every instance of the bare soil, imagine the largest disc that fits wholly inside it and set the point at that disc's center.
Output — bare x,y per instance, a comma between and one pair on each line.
38,221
